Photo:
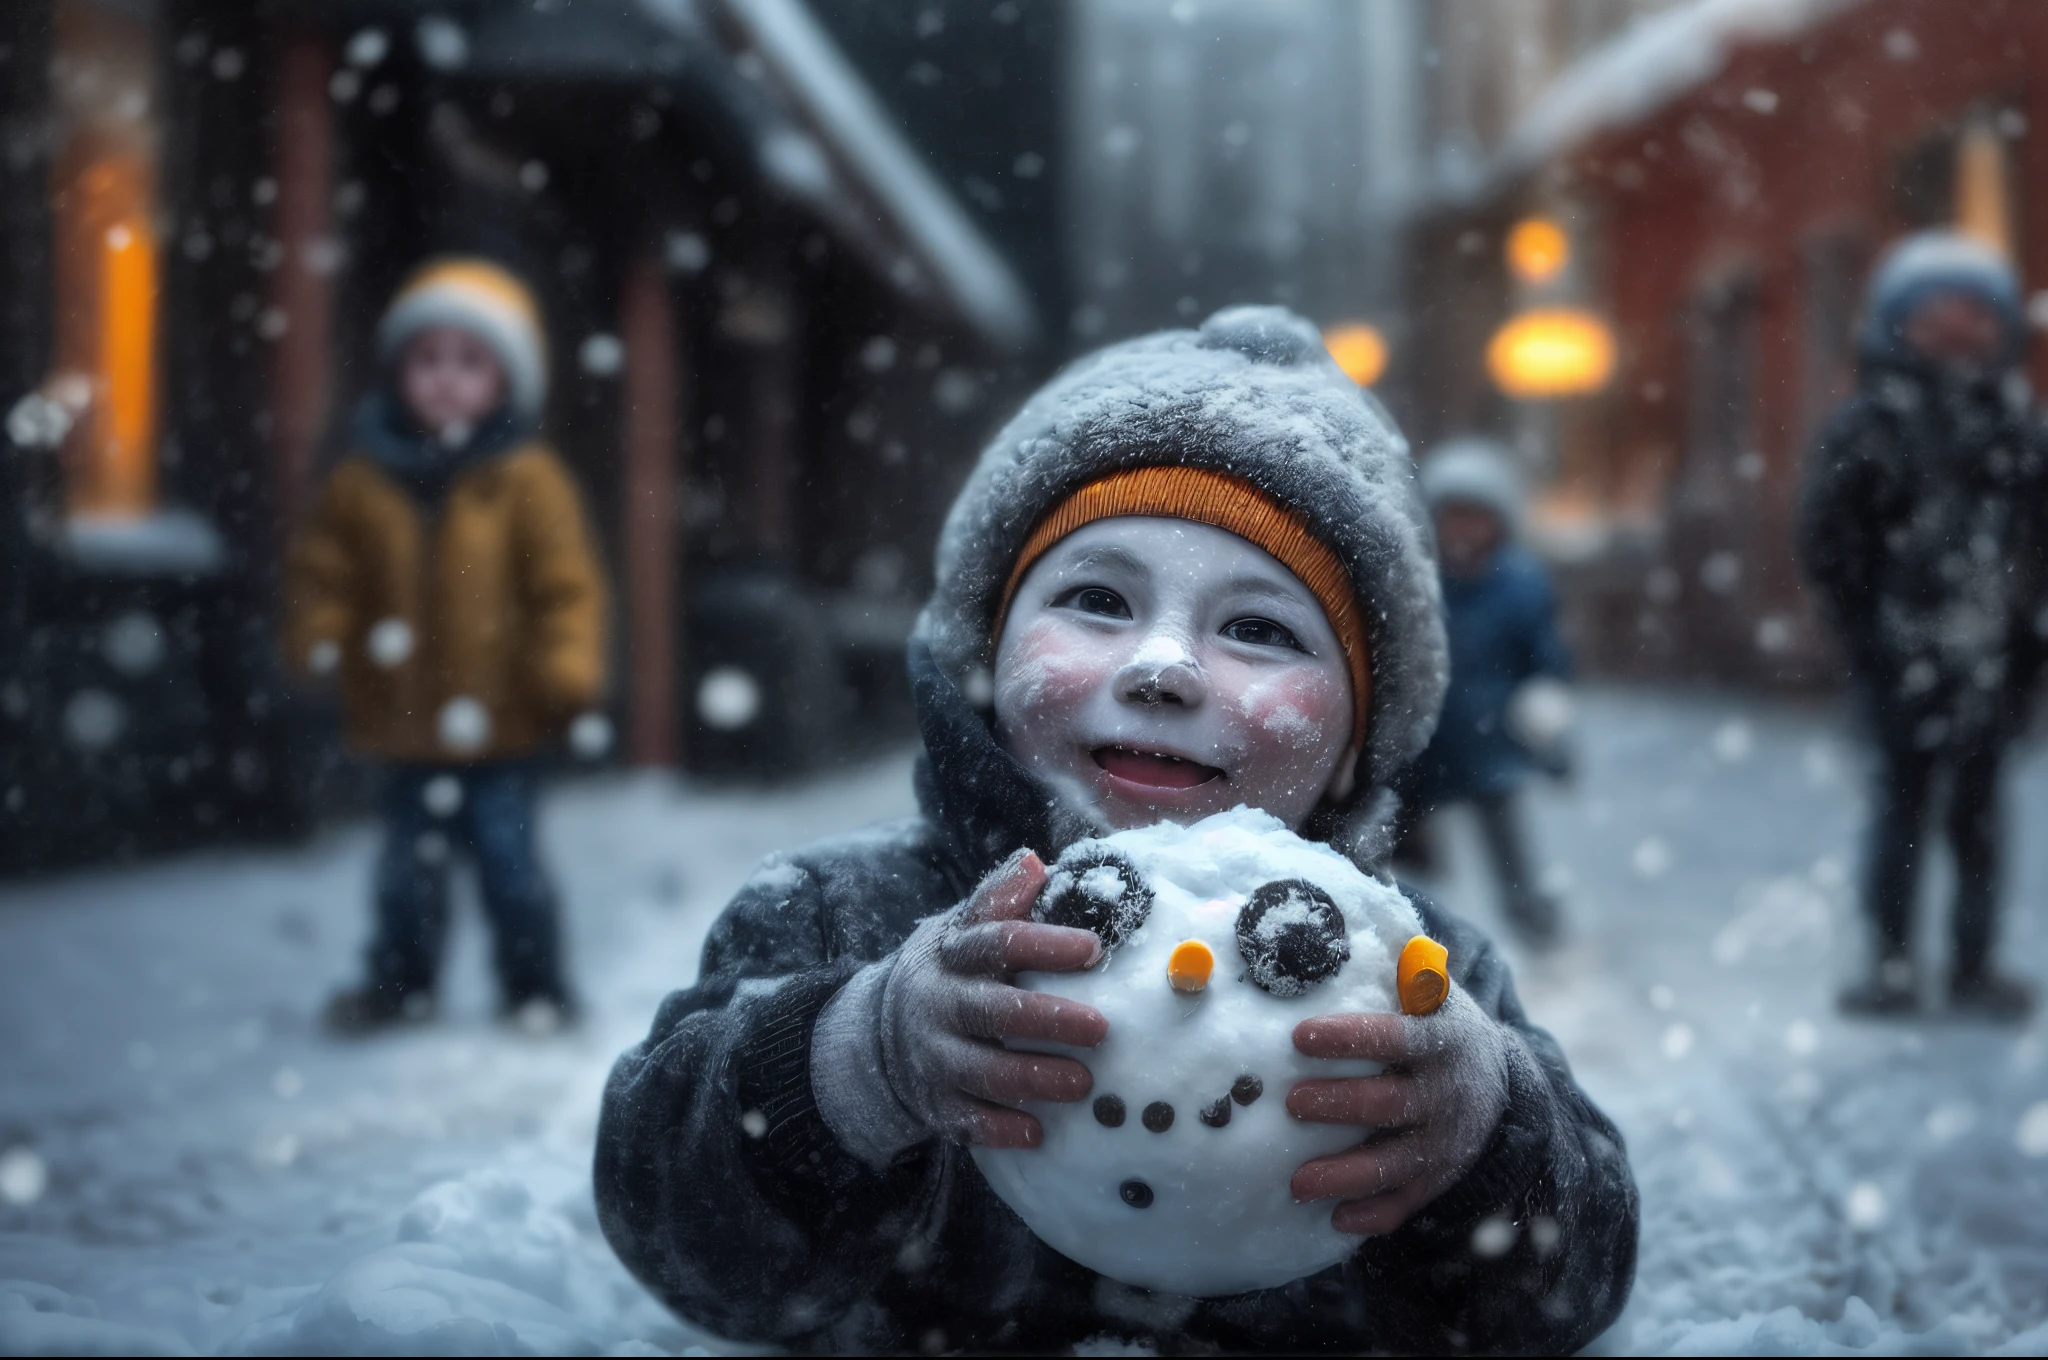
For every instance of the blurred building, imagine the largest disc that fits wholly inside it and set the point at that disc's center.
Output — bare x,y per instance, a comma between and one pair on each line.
1307,152
1725,172
1222,153
778,336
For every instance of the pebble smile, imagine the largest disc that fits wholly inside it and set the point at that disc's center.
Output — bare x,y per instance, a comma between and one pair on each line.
1154,769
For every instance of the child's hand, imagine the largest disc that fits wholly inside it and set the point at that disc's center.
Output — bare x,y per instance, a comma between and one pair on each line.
1432,1110
947,1005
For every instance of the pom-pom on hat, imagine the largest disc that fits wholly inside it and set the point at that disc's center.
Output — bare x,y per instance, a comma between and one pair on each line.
1254,398
489,302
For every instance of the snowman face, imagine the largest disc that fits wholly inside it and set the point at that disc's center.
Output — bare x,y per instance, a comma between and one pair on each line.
1219,938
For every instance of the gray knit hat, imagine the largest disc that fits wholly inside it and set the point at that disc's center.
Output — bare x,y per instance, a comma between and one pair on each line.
1252,394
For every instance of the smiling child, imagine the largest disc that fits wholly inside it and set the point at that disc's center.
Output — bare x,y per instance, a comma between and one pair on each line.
1192,573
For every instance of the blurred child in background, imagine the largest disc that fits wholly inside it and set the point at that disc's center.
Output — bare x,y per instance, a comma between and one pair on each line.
448,581
1921,524
1507,709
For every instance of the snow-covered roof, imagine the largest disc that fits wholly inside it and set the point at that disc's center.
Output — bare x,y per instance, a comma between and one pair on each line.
1645,66
839,109
769,73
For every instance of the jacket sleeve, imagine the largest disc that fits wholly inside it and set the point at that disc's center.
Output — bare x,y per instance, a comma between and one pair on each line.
564,590
717,1181
1547,654
320,581
1557,1179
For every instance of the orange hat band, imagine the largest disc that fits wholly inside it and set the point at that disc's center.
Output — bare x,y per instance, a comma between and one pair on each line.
1229,503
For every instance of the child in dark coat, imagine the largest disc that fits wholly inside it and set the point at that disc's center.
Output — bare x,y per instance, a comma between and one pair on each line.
1506,707
1922,527
1191,573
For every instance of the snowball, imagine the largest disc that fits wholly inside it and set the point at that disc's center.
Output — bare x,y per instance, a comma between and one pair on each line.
2031,1137
1721,572
1950,1120
878,355
93,719
389,642
1678,1039
1540,713
1494,1237
23,1176
686,252
1175,1175
728,698
1865,1207
133,643
1733,741
602,355
367,47
590,736
442,42
464,725
442,795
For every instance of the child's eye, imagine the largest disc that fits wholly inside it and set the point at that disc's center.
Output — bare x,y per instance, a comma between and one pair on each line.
1261,633
1097,600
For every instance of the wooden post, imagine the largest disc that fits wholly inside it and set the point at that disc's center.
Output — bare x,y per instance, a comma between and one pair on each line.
301,287
648,516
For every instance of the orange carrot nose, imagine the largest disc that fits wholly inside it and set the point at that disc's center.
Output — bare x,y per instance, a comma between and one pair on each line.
1189,965
1423,976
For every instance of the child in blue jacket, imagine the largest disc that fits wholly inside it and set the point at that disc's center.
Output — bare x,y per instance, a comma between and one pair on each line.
1506,708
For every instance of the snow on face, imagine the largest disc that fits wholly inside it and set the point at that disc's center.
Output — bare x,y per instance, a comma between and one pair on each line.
1174,1176
1155,668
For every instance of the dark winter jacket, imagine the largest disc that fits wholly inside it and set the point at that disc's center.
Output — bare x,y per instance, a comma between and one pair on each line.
720,1184
1921,522
1502,627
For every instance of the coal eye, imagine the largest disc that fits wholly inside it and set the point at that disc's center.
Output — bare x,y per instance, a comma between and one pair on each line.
1095,888
1292,936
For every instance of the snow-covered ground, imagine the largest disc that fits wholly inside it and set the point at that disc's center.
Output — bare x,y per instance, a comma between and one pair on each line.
188,1164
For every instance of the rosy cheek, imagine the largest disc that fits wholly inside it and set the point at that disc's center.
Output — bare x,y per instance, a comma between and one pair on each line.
1299,711
1052,668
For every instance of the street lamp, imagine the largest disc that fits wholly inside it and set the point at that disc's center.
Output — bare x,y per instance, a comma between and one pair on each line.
1359,350
1537,250
1551,352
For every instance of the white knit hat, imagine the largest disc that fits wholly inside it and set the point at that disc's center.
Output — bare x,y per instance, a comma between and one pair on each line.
1475,471
487,301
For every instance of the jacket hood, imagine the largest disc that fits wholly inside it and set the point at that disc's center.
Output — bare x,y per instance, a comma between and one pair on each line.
1475,471
1929,262
1254,395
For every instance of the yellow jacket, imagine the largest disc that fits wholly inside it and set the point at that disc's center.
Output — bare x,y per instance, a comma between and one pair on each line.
469,633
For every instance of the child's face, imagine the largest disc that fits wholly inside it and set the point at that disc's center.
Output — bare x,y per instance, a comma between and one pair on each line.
1955,329
1157,669
450,380
1467,536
